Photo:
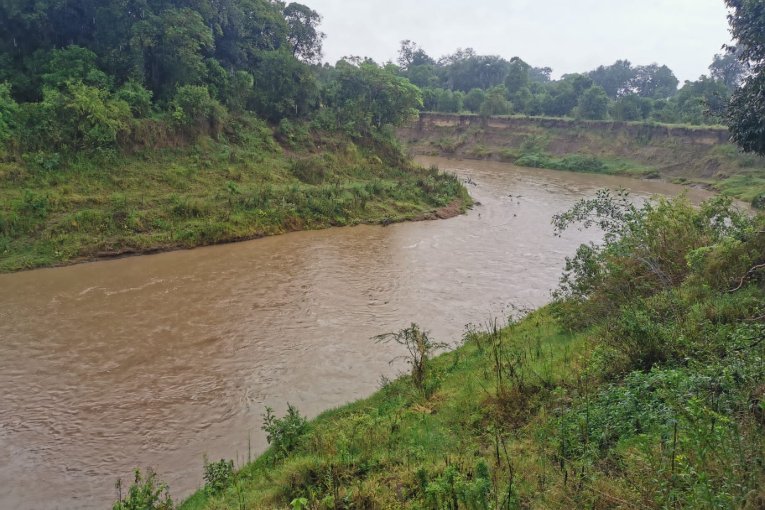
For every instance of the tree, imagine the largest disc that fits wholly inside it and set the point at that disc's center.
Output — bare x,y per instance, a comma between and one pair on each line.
702,101
474,99
302,32
615,79
746,112
654,81
496,102
564,94
593,104
465,70
283,87
365,97
728,69
517,75
540,74
632,108
412,55
172,47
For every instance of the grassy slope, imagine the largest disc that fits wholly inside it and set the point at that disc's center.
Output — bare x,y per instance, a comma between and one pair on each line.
579,420
479,448
687,157
211,192
375,448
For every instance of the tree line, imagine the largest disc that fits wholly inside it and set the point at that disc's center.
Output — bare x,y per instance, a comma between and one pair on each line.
491,85
93,74
97,74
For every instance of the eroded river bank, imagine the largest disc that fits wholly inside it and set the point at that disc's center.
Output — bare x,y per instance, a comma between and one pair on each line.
157,360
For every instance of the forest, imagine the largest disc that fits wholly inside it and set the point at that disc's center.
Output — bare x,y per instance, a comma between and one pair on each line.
101,75
491,85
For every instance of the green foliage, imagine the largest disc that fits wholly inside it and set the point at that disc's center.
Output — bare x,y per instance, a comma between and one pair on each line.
195,109
137,97
8,112
77,117
365,97
302,32
572,162
632,108
284,87
593,104
645,253
474,99
218,476
495,103
758,202
284,434
420,348
146,493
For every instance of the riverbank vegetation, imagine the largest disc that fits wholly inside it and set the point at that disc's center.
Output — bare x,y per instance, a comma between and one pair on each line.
640,386
492,85
158,125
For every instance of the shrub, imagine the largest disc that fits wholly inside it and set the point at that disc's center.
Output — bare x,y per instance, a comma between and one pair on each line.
195,110
284,434
8,111
77,117
137,97
146,493
309,171
420,349
758,202
218,475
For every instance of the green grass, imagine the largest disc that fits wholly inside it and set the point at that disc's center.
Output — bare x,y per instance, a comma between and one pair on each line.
377,449
585,163
91,206
744,187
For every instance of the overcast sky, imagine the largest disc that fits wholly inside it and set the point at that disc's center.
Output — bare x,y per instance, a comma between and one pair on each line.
567,35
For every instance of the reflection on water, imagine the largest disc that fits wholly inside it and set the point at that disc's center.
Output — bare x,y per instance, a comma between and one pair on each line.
155,361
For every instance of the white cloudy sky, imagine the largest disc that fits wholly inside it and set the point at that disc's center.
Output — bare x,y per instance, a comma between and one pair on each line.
567,35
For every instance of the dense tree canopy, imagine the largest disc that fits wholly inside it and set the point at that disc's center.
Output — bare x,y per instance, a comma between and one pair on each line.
80,75
84,74
746,112
620,91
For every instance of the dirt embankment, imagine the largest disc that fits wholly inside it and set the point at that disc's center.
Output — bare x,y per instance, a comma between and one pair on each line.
698,154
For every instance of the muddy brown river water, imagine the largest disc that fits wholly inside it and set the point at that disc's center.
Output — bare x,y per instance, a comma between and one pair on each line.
158,360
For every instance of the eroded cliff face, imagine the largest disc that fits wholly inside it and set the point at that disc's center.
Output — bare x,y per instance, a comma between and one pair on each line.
702,153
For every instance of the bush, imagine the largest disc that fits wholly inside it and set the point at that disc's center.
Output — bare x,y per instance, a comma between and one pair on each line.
758,202
137,97
8,111
284,434
218,475
309,170
78,117
195,110
146,493
420,349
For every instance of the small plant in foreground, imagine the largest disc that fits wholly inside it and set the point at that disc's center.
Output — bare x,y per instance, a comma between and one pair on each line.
218,475
420,349
284,434
146,493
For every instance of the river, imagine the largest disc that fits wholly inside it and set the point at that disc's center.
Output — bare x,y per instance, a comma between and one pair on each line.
158,360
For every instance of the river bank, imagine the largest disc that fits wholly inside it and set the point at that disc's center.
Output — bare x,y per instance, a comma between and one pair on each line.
156,361
640,396
211,192
689,155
